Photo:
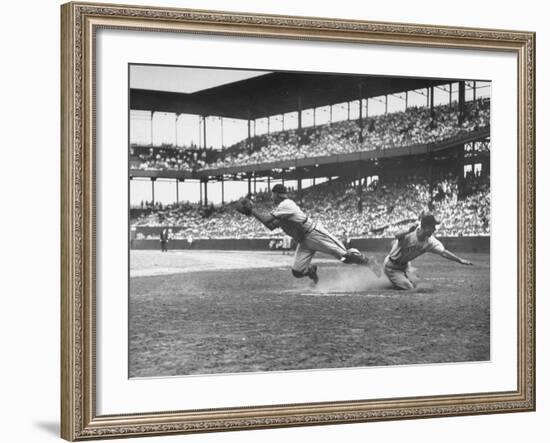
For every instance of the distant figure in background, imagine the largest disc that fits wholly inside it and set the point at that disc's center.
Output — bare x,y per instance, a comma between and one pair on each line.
190,240
164,240
287,243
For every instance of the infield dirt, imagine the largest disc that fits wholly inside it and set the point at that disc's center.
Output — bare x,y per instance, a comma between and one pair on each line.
206,312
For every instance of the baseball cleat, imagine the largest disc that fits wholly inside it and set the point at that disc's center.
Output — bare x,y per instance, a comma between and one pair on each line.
352,255
312,274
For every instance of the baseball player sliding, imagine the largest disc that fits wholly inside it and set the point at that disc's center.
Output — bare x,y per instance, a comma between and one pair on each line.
411,244
311,237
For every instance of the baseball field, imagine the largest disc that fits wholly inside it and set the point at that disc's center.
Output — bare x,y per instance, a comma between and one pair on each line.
208,312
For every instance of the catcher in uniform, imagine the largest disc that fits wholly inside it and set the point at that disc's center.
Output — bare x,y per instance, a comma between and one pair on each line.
411,244
311,237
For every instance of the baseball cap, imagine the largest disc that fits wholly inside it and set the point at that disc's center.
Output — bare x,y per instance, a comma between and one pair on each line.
428,220
278,189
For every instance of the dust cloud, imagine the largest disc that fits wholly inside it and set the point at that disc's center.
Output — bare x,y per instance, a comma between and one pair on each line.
353,279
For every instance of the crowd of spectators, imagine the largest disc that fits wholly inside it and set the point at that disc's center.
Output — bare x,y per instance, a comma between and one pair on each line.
415,125
168,157
407,128
201,222
384,210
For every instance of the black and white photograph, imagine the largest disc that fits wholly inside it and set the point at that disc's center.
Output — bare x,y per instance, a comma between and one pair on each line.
275,221
283,221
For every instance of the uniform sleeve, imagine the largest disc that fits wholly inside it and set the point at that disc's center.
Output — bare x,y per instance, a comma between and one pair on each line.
435,246
285,209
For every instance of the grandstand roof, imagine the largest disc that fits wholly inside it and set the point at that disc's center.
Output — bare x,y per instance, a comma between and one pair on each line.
276,93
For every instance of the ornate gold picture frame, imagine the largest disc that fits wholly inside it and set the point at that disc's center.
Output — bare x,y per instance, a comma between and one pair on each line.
80,23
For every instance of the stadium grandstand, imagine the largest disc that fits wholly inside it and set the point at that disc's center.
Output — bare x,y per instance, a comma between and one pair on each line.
364,155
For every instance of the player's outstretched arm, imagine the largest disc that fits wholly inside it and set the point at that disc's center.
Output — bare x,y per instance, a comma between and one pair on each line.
450,256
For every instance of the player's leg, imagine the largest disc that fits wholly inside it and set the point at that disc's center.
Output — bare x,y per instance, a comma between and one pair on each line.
354,256
302,266
322,241
410,276
398,278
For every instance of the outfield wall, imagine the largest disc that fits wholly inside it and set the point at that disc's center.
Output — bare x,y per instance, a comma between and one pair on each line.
458,244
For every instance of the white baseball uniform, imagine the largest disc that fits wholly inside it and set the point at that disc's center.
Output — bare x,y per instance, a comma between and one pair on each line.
403,251
310,236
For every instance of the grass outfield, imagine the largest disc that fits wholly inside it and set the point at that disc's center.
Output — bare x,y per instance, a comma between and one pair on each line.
210,312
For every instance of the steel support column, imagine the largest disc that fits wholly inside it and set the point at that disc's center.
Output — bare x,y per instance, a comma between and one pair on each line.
204,131
221,130
152,118
299,112
153,180
432,102
176,130
248,140
461,100
431,178
360,113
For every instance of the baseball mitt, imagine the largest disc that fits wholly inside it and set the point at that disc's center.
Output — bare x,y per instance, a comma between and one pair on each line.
244,206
